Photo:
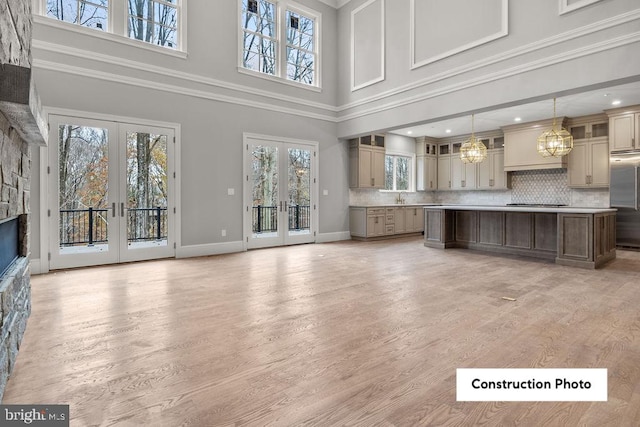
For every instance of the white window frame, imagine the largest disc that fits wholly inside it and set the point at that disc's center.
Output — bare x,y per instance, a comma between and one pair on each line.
412,168
281,45
118,28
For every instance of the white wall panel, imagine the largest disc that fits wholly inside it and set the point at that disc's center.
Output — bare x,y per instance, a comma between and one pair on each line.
367,44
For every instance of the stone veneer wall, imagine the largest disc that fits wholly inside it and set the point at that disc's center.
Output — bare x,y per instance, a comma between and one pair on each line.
15,172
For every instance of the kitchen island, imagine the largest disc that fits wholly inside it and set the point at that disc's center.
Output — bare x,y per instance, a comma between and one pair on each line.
579,237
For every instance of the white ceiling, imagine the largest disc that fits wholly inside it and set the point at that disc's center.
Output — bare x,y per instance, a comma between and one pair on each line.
575,105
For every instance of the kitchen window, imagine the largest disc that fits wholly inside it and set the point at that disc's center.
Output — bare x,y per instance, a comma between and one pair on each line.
279,39
398,173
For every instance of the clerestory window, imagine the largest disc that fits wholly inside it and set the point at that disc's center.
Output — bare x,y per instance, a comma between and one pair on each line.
157,22
280,39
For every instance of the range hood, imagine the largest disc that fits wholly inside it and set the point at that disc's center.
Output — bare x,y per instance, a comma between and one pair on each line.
520,147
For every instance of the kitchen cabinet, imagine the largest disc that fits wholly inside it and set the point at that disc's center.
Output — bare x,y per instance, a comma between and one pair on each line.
366,162
426,164
588,162
521,148
371,222
414,219
454,174
624,129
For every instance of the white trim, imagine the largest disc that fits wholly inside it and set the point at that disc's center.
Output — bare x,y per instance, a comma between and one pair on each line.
504,31
44,206
503,56
276,79
502,74
179,90
35,267
191,251
333,237
113,37
180,75
341,3
565,7
352,63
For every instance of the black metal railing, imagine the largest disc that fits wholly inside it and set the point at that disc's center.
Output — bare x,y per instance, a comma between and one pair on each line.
299,217
265,218
83,226
147,224
90,226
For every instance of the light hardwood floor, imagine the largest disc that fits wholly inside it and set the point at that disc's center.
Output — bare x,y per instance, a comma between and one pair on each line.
350,333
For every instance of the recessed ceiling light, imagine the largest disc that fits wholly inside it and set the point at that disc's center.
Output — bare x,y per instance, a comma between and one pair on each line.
517,119
616,102
409,132
448,131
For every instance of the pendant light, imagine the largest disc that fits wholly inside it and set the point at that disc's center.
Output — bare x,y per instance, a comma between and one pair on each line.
473,150
555,142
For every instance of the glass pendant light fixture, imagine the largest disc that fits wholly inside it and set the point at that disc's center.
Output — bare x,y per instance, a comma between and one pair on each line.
555,142
473,150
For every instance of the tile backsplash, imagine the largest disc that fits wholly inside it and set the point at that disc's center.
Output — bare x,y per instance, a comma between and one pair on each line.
536,187
548,186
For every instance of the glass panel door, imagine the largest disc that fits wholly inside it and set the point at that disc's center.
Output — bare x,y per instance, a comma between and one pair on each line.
112,199
279,193
147,228
84,229
299,191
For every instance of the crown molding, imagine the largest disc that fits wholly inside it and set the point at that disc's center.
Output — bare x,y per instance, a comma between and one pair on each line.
336,4
179,90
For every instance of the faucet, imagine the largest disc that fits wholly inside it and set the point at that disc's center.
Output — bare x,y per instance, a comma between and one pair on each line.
400,200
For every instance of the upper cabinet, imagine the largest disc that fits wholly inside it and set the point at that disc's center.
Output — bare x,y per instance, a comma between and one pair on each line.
624,128
521,148
588,162
366,162
426,164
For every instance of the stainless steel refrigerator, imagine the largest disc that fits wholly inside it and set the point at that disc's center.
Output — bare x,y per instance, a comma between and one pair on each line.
624,196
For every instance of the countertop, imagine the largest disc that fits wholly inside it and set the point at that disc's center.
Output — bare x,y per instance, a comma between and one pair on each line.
551,209
394,205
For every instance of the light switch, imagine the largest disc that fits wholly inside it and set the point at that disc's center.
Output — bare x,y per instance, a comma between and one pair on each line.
325,192
231,191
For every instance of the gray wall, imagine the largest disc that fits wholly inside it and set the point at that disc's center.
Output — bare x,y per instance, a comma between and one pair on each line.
545,53
79,72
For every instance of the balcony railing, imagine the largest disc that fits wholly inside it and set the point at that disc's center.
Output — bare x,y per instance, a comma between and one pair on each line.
265,218
90,226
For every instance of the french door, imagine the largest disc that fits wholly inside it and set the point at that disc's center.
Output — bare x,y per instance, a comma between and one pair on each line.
110,192
280,192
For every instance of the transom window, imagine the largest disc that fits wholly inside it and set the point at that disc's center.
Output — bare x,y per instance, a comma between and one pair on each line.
397,173
288,51
155,22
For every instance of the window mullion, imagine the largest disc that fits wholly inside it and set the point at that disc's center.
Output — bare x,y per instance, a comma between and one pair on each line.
282,41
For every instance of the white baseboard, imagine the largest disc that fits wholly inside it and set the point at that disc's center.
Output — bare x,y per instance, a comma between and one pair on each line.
209,249
36,267
333,237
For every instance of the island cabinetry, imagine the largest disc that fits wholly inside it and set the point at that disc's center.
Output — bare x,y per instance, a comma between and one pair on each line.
579,237
586,240
366,162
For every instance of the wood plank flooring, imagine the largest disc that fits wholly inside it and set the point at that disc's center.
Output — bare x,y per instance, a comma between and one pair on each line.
349,333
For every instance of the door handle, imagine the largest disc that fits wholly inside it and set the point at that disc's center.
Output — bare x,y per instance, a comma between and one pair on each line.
280,205
122,209
113,209
285,206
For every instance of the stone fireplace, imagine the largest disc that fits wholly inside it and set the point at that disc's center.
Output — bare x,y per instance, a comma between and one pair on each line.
21,127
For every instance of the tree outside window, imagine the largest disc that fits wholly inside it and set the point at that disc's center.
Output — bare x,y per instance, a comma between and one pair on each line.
88,13
397,173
